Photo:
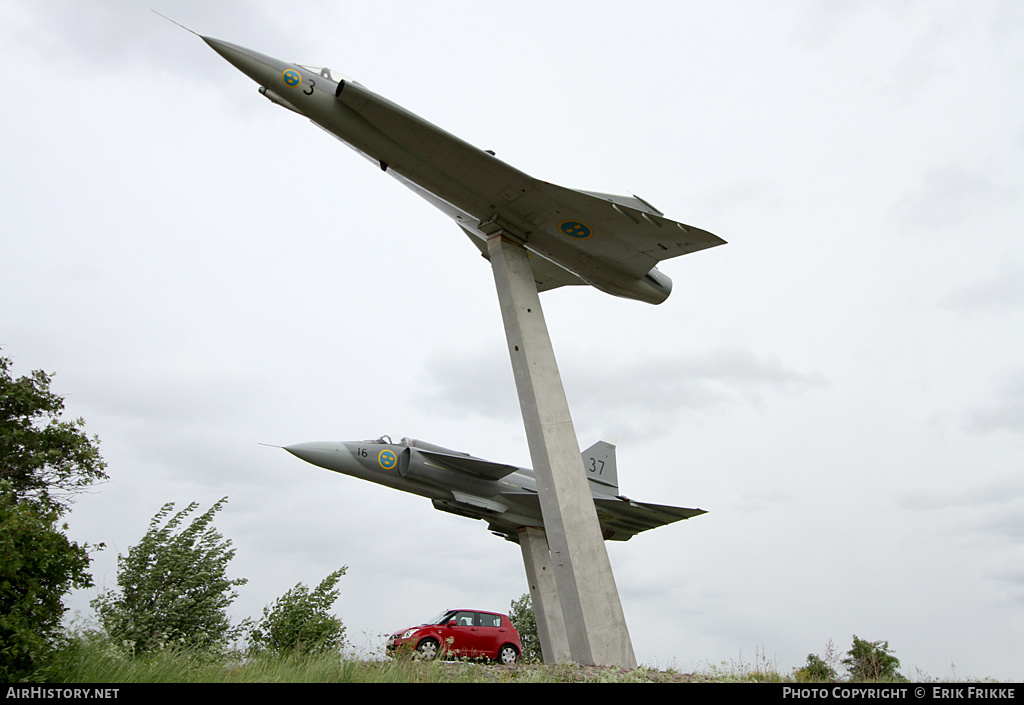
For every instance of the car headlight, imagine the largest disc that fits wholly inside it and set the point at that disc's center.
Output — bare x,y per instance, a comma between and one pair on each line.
408,633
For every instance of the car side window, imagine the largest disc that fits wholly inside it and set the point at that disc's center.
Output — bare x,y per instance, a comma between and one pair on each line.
490,620
464,619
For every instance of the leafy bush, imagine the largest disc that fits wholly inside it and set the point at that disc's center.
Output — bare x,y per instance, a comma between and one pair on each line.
174,587
525,621
300,621
871,661
815,671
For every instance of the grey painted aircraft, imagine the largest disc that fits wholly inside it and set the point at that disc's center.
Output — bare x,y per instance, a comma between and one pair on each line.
577,237
502,495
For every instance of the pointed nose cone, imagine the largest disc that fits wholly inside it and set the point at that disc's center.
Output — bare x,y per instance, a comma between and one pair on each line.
259,67
318,453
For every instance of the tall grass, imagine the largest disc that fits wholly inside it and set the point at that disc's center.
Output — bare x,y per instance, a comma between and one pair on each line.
90,657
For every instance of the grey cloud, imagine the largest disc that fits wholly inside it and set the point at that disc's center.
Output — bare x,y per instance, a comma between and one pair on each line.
988,514
467,384
986,496
1004,413
642,395
948,196
699,381
645,398
1003,289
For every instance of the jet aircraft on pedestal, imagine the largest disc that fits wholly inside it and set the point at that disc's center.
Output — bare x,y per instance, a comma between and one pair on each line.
504,496
577,237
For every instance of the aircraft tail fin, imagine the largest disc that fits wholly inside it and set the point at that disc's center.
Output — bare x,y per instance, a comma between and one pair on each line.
599,462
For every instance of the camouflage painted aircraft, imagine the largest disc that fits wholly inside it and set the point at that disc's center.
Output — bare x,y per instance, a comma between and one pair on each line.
577,237
502,495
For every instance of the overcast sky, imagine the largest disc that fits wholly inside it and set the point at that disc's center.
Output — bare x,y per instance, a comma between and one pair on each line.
841,386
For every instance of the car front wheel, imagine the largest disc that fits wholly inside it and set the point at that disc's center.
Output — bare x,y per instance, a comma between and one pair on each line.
508,655
428,649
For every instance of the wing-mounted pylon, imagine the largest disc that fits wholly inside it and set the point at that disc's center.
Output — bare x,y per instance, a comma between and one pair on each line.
546,273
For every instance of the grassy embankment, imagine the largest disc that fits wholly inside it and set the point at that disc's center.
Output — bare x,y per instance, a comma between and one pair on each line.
86,661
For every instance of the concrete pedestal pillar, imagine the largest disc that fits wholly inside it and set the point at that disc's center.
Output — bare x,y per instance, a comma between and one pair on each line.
594,622
554,644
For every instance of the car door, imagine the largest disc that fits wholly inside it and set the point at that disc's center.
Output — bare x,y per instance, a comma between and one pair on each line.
463,634
490,634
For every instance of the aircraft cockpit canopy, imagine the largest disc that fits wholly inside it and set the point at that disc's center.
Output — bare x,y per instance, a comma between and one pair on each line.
327,73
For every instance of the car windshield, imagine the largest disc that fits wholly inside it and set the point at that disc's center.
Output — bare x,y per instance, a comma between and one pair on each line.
442,618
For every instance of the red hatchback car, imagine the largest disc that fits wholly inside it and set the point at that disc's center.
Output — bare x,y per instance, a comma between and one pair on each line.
463,633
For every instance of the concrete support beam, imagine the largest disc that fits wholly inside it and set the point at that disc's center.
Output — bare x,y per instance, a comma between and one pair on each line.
554,644
594,622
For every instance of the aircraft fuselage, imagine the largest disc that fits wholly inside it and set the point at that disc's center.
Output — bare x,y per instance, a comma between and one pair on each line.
609,242
503,495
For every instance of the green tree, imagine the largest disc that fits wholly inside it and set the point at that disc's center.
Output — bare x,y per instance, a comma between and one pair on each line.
44,463
300,620
872,661
43,458
38,566
525,622
174,590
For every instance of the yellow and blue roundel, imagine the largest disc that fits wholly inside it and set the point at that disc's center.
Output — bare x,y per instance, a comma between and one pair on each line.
387,459
291,78
575,229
